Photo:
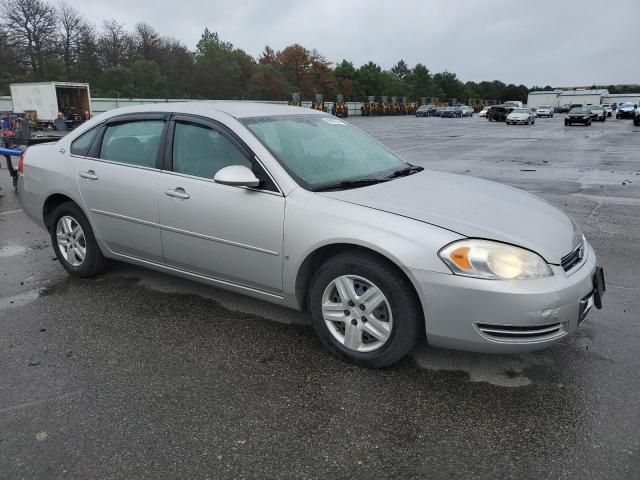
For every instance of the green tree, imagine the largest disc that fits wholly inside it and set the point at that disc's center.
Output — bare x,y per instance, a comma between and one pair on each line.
217,72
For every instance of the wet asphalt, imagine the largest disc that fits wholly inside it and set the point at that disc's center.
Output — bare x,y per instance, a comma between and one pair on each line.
136,374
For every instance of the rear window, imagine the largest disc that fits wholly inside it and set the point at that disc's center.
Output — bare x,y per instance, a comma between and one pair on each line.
135,142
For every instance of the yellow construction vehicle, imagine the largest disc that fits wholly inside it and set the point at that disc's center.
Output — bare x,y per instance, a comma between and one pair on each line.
295,100
340,107
318,104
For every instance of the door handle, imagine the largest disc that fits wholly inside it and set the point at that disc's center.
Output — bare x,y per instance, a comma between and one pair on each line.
177,193
90,175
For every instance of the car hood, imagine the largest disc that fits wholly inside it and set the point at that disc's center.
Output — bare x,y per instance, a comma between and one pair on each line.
626,109
518,115
472,207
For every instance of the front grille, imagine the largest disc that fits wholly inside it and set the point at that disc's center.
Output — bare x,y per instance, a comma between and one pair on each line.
574,258
514,333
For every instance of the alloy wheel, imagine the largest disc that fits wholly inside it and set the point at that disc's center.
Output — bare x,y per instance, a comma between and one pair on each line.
357,313
71,241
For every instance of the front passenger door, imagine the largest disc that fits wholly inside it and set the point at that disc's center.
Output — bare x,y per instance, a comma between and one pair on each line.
234,234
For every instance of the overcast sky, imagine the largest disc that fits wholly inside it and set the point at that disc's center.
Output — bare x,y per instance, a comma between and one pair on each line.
535,42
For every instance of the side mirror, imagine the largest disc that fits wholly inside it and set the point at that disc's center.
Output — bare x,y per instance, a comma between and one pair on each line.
236,176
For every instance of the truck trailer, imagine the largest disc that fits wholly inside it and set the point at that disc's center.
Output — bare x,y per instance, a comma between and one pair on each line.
41,102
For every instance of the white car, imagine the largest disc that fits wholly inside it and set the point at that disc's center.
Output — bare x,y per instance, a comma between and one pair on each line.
467,111
545,111
521,115
607,109
483,112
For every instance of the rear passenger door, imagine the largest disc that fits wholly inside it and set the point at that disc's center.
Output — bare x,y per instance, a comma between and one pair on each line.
118,180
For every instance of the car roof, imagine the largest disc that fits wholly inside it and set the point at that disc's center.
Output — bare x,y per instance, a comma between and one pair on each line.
236,109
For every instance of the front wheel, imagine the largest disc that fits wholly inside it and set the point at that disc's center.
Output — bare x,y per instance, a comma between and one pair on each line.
567,123
588,122
74,242
364,310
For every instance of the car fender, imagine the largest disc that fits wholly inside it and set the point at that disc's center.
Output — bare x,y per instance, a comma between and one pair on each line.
313,221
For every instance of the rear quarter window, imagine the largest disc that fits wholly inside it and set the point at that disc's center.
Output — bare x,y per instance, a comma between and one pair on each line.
80,146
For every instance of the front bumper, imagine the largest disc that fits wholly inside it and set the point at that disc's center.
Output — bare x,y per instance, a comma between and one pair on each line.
504,316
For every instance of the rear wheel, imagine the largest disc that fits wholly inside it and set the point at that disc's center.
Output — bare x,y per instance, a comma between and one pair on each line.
364,310
74,242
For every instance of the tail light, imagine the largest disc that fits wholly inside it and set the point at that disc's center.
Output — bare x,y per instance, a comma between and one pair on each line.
21,163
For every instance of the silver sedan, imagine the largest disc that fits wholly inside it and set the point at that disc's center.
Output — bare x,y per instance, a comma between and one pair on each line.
297,207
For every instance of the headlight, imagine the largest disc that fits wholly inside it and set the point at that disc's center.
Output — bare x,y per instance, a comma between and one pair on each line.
493,260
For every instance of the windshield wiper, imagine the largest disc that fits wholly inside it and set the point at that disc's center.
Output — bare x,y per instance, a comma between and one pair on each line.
406,171
346,184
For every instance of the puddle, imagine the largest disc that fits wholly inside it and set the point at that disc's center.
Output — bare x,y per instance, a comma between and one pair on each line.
500,370
19,299
12,250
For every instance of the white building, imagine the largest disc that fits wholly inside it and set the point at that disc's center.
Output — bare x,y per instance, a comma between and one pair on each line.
557,98
621,98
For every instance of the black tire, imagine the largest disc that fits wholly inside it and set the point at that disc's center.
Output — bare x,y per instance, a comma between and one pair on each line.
636,121
567,123
94,262
408,320
589,123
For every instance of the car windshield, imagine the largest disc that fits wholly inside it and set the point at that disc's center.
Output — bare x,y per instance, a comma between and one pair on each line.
319,150
626,105
579,110
543,106
520,110
595,107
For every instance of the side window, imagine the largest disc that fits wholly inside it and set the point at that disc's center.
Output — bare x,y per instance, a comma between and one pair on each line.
202,151
135,142
80,146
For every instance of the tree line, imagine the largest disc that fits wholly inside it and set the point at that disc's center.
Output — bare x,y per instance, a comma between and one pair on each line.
41,41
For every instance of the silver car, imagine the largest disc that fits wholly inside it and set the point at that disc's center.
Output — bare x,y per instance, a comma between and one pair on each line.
521,115
297,207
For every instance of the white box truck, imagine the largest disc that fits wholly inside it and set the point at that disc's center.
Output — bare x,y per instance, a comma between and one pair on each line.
41,102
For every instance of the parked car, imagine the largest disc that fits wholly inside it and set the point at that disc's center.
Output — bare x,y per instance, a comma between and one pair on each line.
467,111
597,113
514,104
451,112
426,111
564,108
578,115
376,249
544,111
521,115
483,112
498,113
439,111
626,110
607,109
